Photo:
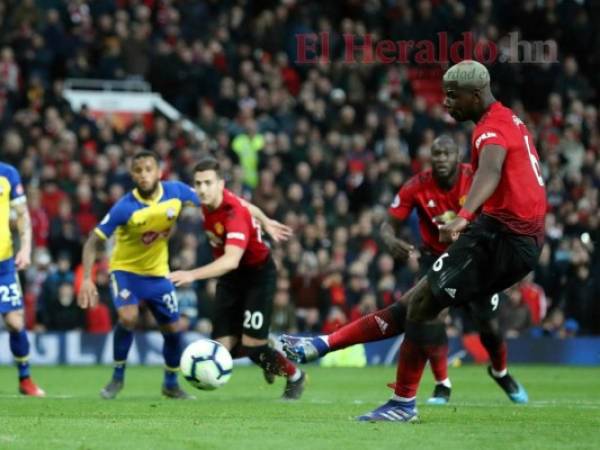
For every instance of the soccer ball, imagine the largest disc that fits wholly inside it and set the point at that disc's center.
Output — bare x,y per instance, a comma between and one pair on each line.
206,364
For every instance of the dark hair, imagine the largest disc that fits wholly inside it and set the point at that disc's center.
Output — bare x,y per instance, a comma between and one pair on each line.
145,154
445,139
208,163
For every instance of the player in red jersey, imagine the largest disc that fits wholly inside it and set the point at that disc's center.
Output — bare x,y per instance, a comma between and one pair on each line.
437,195
491,251
247,277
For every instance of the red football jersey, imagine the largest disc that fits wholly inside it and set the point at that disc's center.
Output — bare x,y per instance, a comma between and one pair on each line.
232,224
435,206
519,201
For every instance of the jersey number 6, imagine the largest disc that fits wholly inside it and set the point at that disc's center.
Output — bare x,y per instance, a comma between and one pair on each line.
535,164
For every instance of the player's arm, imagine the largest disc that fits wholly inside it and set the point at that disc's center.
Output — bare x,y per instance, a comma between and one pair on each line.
117,216
278,231
389,231
486,178
23,256
485,182
220,266
18,204
88,293
398,212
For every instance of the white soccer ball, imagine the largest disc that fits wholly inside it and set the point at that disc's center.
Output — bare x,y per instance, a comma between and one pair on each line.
206,364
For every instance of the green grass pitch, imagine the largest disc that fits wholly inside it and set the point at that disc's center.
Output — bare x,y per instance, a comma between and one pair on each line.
564,412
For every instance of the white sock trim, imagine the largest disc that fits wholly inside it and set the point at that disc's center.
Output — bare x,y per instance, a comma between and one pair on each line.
499,374
296,376
445,382
403,399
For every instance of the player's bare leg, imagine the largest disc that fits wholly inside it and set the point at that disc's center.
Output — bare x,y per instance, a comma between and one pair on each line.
19,346
229,342
382,324
422,307
122,340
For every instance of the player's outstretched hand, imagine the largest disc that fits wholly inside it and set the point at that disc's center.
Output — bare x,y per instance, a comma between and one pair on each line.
88,294
449,232
23,259
399,249
278,231
181,277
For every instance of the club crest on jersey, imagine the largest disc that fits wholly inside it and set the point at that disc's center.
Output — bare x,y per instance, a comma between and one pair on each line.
462,200
483,137
150,236
219,228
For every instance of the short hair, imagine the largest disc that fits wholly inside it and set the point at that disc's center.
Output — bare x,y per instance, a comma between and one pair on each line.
468,74
208,163
145,154
445,139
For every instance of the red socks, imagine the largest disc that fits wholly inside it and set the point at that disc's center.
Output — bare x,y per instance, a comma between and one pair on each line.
286,367
422,342
498,356
411,363
496,348
438,359
383,324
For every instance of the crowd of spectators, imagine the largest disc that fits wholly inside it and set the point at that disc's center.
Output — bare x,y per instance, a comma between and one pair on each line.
322,147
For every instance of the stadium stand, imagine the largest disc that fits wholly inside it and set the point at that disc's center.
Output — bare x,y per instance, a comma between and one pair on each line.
322,147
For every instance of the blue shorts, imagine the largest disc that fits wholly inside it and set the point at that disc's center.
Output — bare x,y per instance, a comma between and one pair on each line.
11,298
159,293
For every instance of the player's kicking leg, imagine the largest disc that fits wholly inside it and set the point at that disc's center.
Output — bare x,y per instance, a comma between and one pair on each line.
19,346
382,324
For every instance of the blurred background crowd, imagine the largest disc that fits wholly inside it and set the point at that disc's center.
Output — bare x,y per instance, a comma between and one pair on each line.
322,147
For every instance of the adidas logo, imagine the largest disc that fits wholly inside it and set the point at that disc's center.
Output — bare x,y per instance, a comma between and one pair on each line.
382,324
431,203
451,292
